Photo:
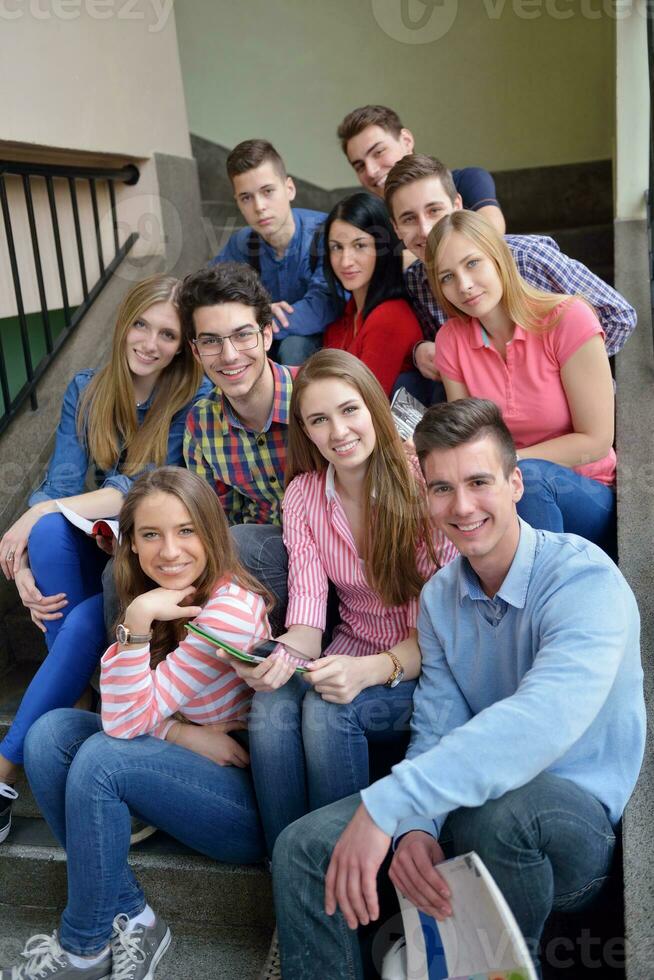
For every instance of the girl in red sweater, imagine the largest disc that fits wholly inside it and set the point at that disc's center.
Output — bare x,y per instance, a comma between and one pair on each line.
363,256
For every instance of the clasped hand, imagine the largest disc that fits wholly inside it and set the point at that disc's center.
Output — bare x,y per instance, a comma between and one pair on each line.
212,741
351,880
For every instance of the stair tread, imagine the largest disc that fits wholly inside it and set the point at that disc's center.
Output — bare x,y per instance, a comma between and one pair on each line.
12,688
214,951
33,833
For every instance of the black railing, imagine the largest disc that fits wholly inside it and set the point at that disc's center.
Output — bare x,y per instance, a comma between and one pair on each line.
75,179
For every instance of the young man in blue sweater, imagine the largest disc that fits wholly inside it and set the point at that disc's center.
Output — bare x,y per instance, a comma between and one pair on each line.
284,245
528,726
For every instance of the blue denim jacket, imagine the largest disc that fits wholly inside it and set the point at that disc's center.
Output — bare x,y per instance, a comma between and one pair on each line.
70,461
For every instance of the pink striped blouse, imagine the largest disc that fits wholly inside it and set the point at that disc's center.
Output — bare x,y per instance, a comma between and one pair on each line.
320,548
191,680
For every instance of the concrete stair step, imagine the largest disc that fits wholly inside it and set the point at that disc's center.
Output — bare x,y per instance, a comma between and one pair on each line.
211,952
181,884
590,244
12,687
20,639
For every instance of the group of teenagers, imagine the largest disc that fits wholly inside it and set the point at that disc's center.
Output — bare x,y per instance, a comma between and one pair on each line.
457,660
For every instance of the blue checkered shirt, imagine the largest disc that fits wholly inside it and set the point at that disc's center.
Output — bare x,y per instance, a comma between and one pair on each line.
541,263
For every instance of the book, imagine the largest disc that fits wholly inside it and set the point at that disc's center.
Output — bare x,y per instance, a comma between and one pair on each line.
105,526
480,940
407,412
254,656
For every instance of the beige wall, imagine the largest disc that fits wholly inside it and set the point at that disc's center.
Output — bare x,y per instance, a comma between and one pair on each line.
501,83
83,80
95,82
632,119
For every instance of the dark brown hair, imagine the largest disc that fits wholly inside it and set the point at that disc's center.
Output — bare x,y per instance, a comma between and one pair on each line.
252,153
417,166
227,282
210,524
368,115
451,424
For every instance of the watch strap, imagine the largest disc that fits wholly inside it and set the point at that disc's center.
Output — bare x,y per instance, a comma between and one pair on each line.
124,635
397,668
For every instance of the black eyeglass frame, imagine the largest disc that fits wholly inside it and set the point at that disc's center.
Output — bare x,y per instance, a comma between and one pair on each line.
218,350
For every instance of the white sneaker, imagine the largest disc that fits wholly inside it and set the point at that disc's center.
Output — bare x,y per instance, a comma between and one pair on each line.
46,959
136,952
7,796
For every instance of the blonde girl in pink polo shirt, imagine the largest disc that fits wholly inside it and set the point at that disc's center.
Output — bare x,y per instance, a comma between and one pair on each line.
541,358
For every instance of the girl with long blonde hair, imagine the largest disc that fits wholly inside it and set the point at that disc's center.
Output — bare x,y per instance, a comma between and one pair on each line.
119,420
354,516
541,358
187,775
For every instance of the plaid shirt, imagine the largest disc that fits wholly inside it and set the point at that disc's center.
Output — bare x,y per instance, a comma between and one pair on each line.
542,264
245,468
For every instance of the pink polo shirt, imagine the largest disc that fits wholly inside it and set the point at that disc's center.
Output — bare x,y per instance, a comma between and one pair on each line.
527,386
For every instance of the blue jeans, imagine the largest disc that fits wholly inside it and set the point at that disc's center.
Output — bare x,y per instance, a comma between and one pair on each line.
307,752
558,499
295,349
63,559
86,783
549,845
261,550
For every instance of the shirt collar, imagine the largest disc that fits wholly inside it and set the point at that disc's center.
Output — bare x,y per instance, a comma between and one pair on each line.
515,586
282,388
330,487
480,337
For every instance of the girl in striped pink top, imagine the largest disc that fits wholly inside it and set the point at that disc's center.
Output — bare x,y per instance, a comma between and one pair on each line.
354,515
190,777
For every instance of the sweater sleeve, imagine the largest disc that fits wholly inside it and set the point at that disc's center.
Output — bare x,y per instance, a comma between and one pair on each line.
459,760
136,699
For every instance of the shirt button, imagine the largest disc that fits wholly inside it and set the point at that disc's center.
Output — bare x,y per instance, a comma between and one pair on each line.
261,441
273,479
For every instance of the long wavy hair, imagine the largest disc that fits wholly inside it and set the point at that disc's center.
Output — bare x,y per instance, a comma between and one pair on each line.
395,511
106,416
532,308
210,524
367,213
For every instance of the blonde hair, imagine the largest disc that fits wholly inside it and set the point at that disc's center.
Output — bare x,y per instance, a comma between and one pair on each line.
532,308
210,524
106,417
395,513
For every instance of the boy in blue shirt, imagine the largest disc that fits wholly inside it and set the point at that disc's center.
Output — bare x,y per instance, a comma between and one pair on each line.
284,245
528,724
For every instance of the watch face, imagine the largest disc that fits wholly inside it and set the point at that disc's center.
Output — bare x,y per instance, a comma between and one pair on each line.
122,635
398,679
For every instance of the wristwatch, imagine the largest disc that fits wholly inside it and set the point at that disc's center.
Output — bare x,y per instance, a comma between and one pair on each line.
124,636
397,673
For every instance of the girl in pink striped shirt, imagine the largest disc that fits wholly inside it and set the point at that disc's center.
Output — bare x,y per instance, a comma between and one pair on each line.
354,515
189,777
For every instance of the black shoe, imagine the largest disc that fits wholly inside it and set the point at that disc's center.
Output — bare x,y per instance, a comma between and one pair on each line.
7,796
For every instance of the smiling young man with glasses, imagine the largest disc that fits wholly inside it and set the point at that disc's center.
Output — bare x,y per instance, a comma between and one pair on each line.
236,436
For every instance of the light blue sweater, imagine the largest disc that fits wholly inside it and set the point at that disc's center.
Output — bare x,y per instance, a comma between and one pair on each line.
546,676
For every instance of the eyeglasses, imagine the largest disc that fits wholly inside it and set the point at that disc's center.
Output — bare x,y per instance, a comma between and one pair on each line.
244,339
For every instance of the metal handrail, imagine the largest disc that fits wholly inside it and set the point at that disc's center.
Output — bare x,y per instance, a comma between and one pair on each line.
28,172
